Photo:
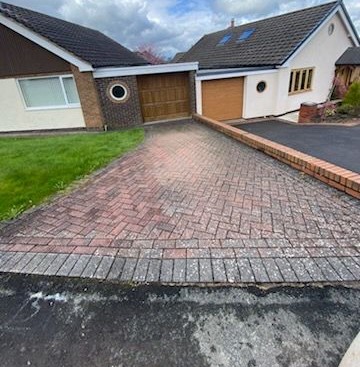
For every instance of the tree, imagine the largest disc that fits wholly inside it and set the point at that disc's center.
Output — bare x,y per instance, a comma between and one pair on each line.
150,54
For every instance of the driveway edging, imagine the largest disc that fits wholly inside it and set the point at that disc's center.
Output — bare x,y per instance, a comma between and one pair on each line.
225,271
334,176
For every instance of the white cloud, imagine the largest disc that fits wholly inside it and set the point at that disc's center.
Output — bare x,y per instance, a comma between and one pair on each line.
168,25
246,8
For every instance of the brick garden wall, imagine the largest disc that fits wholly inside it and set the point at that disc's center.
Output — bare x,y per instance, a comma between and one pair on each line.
123,114
308,113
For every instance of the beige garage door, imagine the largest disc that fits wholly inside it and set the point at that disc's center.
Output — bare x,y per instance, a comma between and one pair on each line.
223,99
164,96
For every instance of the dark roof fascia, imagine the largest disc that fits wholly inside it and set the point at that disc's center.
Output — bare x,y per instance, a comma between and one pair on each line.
310,34
209,72
353,64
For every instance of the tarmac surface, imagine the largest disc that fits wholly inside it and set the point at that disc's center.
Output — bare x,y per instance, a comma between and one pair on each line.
73,322
339,145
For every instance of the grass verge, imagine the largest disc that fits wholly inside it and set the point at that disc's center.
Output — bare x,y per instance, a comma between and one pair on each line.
34,168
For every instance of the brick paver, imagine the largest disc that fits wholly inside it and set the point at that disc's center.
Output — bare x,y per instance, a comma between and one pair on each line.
191,205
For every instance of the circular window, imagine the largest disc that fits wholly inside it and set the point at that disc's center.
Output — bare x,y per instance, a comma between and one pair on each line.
331,29
261,87
118,92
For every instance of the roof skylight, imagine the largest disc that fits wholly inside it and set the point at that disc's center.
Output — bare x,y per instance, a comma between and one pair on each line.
245,35
225,40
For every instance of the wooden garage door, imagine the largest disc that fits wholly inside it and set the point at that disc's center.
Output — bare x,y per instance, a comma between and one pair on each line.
164,96
223,99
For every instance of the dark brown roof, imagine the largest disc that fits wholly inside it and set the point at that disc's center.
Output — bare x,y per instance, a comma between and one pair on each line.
350,57
88,44
274,40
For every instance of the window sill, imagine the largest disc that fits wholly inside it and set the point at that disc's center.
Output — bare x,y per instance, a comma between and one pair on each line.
300,92
49,108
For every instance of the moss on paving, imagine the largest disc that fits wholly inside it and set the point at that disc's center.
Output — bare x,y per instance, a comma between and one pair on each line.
34,168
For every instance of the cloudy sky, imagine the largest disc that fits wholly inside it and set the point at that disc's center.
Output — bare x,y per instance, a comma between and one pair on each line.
169,25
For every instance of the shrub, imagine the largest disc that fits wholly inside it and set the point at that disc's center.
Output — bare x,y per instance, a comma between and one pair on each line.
351,100
345,109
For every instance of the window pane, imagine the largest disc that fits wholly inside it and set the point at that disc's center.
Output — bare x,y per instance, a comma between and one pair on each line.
291,81
309,83
297,80
45,92
71,91
303,79
225,40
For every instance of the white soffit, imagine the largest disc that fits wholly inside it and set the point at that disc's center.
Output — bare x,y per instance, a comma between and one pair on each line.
144,70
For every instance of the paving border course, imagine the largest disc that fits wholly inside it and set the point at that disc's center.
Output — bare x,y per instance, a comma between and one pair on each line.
335,176
230,270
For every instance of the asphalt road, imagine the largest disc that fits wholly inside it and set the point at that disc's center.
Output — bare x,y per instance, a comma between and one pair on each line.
47,322
339,145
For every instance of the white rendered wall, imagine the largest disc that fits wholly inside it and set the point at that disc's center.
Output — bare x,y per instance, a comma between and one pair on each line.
321,52
260,104
14,116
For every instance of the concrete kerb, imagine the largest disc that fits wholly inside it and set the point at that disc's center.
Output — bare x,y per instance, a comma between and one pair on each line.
335,176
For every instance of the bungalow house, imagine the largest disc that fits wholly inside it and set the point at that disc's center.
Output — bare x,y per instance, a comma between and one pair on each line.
348,66
59,75
269,67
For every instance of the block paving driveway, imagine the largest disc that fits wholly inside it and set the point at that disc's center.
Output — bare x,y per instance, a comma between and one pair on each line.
191,205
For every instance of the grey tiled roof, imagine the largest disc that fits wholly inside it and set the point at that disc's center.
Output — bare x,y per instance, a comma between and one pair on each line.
88,44
178,56
350,57
274,40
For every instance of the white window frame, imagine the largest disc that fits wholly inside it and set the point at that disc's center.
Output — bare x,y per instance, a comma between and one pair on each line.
56,107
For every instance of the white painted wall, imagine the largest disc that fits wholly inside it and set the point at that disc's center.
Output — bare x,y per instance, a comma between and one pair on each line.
14,116
260,104
321,52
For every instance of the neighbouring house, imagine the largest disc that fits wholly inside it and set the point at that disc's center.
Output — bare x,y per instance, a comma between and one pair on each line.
59,75
178,56
348,66
269,67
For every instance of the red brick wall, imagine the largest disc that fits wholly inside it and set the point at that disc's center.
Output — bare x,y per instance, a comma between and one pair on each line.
308,112
89,98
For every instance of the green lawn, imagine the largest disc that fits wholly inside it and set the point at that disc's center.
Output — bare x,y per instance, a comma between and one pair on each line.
33,168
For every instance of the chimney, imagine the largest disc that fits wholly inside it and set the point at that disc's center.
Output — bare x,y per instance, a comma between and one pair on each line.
232,23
